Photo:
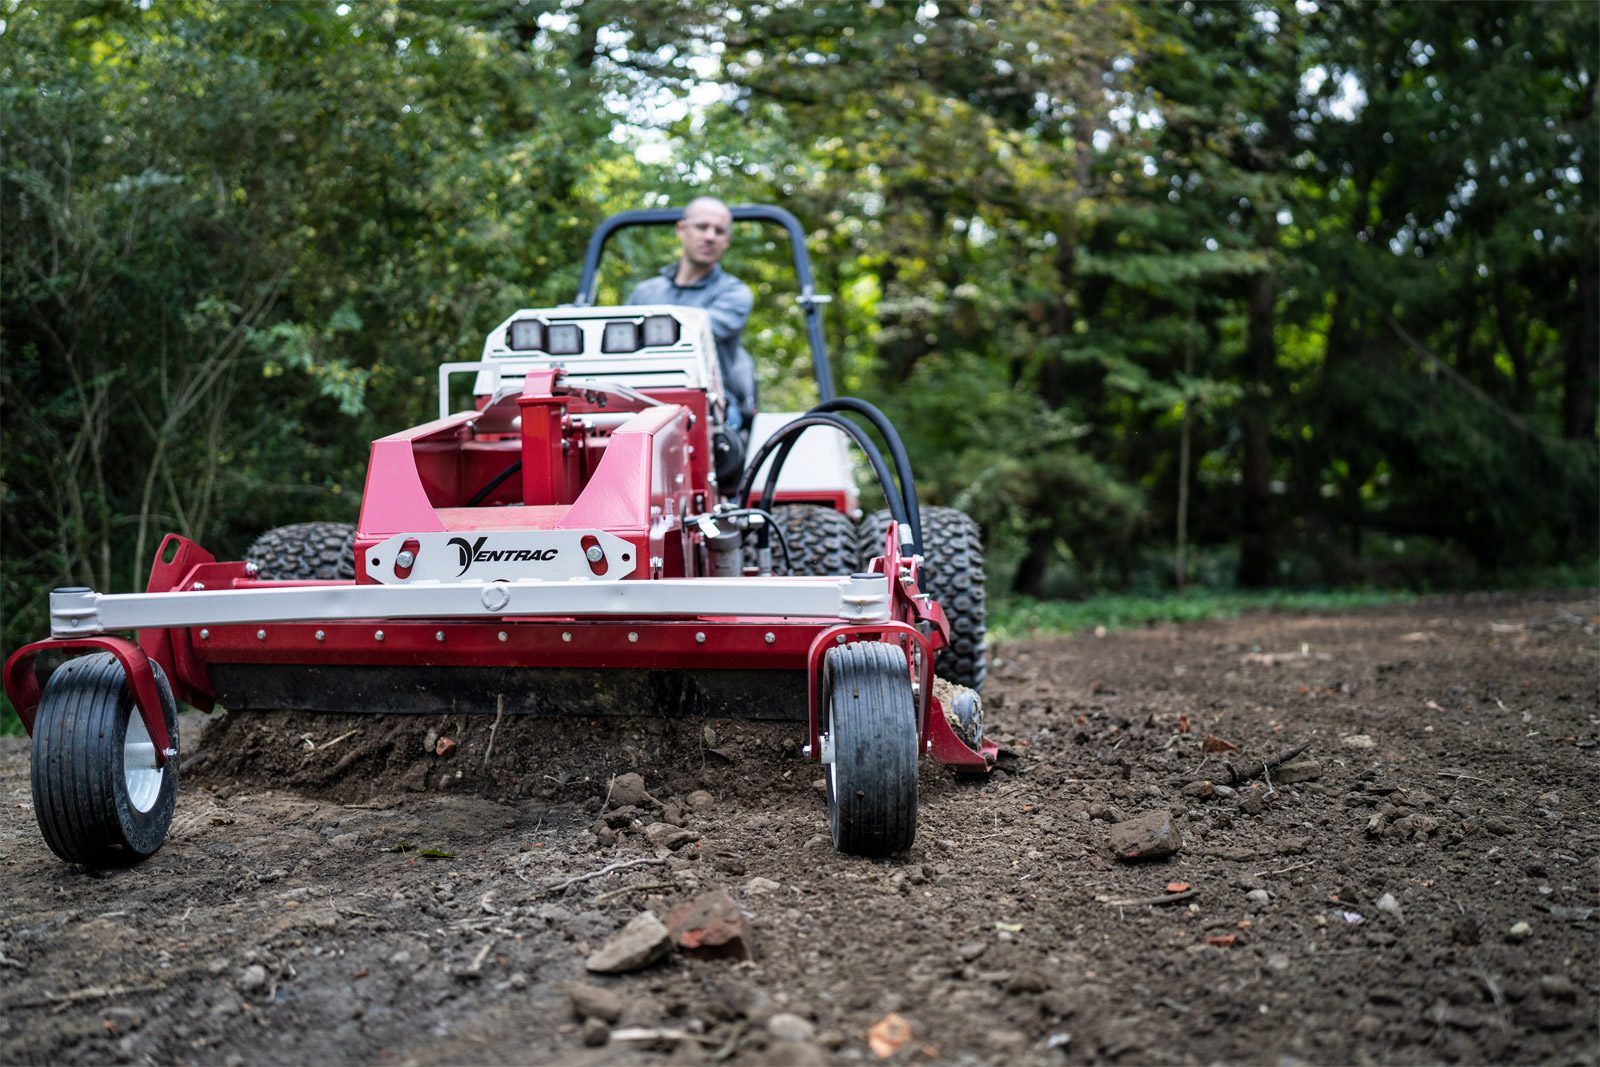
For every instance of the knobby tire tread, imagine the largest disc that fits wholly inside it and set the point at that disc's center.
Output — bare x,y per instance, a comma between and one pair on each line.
305,551
953,572
821,541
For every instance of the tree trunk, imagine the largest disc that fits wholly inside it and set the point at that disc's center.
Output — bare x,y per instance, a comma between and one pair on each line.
1257,563
1582,373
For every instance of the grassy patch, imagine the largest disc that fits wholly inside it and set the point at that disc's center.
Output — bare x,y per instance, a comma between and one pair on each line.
1015,617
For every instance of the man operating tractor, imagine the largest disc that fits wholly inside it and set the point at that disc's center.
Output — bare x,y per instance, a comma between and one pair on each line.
698,280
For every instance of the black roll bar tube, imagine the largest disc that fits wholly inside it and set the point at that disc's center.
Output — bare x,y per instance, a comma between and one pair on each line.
810,302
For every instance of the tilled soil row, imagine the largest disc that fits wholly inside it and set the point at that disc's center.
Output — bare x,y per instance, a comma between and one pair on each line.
1381,830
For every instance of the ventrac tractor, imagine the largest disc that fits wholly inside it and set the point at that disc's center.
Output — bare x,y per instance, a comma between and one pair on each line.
588,537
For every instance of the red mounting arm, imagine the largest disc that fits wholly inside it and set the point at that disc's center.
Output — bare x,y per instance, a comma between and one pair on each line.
22,685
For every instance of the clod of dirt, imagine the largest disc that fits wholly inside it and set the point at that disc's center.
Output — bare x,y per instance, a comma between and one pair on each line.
253,979
700,800
665,835
636,946
596,1032
757,886
1358,741
628,791
1149,837
445,747
1298,771
593,1002
711,926
787,1026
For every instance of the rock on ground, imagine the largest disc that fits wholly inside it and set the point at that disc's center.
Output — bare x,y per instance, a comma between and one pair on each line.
637,945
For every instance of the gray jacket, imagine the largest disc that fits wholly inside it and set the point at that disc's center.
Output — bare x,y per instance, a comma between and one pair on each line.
728,301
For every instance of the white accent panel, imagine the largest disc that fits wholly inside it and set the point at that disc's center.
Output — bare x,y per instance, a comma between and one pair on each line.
501,555
853,599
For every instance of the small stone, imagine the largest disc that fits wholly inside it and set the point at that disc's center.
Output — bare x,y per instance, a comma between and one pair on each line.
787,1026
1201,790
1359,741
637,945
757,886
627,790
1390,906
1520,932
665,835
1258,897
252,979
1498,826
1298,771
1277,961
1224,791
673,814
699,800
1148,837
596,1032
711,926
445,747
593,1002
971,950
1027,982
1558,987
1104,813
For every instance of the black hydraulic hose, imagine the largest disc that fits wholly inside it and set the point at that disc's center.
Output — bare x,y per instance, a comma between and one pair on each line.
771,524
494,483
786,436
897,451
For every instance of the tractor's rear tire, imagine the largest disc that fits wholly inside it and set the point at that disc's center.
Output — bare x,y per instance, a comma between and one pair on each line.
872,733
304,551
822,542
98,795
952,570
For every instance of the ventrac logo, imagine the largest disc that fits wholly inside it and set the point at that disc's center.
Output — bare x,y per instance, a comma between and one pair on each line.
470,552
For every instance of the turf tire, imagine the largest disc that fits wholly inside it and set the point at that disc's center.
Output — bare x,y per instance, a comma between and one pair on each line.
305,551
822,542
81,791
952,570
872,727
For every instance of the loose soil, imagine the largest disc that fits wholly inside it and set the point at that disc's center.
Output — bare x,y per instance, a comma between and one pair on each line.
334,891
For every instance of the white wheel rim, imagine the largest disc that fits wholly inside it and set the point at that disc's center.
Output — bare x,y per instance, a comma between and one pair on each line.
141,777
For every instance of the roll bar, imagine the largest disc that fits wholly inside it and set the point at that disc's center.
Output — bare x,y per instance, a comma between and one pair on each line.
810,302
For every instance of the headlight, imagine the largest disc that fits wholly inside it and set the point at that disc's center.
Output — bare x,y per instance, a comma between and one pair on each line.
620,337
564,339
525,335
660,330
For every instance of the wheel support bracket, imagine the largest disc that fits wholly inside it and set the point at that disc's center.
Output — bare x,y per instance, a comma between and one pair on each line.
22,684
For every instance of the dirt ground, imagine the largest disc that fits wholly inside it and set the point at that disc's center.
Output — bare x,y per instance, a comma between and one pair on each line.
1429,891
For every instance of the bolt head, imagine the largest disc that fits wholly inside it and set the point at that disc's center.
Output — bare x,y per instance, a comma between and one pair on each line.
205,635
771,637
261,635
198,585
251,569
566,636
633,637
378,636
501,635
322,635
438,635
700,637
594,554
405,559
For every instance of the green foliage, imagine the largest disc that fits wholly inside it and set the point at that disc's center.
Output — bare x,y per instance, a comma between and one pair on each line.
1148,287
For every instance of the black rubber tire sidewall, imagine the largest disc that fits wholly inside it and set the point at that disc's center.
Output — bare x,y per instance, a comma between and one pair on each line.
80,794
305,551
872,723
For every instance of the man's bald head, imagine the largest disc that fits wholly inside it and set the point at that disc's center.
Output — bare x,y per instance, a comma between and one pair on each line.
704,230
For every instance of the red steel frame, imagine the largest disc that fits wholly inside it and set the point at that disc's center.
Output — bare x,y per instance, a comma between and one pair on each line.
651,471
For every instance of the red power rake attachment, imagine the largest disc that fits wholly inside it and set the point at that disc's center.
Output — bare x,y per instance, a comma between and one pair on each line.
591,517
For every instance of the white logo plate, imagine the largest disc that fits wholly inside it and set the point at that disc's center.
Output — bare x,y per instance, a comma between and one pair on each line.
502,555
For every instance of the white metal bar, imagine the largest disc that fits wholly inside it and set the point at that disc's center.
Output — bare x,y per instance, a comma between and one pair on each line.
78,612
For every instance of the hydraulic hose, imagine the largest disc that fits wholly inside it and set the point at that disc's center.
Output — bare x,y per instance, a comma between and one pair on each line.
785,438
897,451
